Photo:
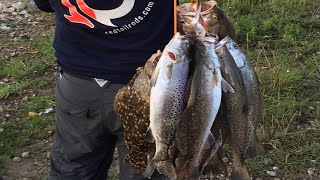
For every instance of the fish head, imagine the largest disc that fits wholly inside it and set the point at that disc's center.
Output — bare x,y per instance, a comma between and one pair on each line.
204,48
178,48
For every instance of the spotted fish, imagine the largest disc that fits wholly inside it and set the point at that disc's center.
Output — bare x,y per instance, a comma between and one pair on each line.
167,102
234,111
193,132
254,99
132,105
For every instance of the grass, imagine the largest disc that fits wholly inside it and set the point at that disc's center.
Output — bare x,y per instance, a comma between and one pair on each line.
281,39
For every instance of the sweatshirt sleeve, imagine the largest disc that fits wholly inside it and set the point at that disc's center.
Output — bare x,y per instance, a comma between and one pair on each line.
44,5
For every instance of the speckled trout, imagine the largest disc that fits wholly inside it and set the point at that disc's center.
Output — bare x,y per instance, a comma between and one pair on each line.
167,102
203,104
254,99
234,111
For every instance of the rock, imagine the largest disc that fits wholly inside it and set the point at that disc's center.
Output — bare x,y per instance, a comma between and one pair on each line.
48,155
8,10
313,161
14,13
18,6
16,159
25,98
1,6
275,168
271,173
225,159
4,27
23,12
32,114
48,110
311,171
1,130
259,178
25,155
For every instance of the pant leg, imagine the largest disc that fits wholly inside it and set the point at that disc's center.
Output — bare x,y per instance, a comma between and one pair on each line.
83,146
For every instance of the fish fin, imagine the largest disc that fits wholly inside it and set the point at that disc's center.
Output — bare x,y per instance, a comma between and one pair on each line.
150,169
214,78
154,76
149,137
169,71
167,168
226,86
213,145
249,134
253,148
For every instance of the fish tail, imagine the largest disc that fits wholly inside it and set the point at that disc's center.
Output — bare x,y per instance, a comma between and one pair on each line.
150,169
240,173
167,168
255,148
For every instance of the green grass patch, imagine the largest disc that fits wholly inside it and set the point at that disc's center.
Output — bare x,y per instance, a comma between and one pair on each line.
18,87
282,40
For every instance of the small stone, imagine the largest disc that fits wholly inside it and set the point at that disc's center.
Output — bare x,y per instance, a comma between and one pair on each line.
32,114
25,155
18,6
271,173
311,171
275,168
48,155
313,161
277,179
7,115
4,27
24,178
48,110
13,54
259,178
16,159
8,10
14,13
225,159
1,6
318,53
23,12
1,130
25,98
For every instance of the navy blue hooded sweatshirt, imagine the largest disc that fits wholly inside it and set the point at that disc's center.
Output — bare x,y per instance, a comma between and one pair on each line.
108,39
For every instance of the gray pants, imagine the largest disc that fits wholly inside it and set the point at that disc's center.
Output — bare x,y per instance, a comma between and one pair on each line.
87,130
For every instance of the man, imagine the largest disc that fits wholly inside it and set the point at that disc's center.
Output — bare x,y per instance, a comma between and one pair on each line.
99,44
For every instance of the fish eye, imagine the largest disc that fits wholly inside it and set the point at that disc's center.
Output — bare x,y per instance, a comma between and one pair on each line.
235,46
214,17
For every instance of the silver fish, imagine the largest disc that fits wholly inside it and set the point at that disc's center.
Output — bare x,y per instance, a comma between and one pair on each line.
254,98
234,110
167,102
203,104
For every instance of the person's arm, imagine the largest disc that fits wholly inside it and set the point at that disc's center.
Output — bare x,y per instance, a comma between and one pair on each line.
44,5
